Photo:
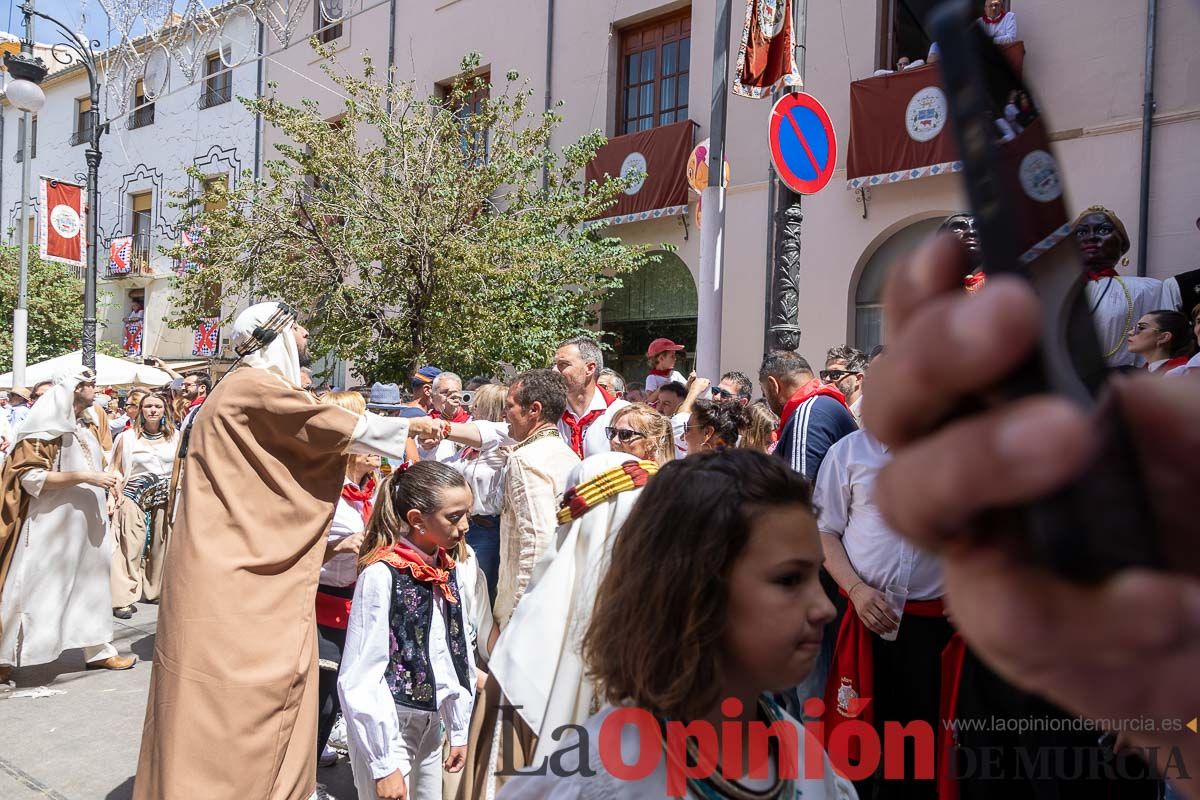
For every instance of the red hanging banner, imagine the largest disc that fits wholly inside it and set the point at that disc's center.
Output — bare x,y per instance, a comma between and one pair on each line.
62,231
767,56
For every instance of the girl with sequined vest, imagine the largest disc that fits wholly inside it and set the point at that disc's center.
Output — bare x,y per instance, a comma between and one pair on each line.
408,666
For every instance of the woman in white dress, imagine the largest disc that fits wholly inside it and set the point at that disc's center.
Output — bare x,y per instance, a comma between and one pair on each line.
143,458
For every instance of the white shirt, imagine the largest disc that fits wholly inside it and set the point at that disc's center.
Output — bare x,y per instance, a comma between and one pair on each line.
484,469
1004,31
653,382
373,720
146,456
342,569
1193,365
594,438
679,424
844,496
1112,315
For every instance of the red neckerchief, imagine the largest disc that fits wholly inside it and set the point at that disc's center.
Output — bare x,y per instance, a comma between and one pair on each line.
578,426
196,402
952,666
1097,274
810,389
994,20
662,373
365,495
974,281
460,416
852,677
403,556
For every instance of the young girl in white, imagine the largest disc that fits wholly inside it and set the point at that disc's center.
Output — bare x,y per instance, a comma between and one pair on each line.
408,664
712,596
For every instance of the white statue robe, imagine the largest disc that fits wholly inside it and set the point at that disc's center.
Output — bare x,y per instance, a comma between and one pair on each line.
57,595
1114,313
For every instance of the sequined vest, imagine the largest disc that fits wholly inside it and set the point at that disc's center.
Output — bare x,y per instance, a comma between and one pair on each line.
409,672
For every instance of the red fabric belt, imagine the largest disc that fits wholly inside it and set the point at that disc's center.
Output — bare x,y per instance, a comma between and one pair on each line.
333,611
853,674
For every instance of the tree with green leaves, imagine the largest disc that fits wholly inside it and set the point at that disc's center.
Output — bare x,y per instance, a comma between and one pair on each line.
414,229
54,298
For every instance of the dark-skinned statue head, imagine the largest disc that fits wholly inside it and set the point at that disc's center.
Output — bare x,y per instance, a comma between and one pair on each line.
1101,236
962,225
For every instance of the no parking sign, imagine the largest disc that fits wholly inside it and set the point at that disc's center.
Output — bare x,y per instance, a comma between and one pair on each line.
803,144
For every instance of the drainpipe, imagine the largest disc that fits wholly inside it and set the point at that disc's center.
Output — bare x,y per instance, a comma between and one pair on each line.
258,91
549,68
391,49
1147,136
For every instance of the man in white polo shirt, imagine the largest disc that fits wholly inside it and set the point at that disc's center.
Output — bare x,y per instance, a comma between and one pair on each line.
590,408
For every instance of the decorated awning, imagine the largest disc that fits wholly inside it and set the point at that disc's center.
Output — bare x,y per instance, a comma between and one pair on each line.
661,153
898,129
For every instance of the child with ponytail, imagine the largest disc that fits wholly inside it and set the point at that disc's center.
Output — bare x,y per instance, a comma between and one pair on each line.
408,664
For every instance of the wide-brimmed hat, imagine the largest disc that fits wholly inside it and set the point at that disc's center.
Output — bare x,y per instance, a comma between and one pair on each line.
662,346
21,392
384,397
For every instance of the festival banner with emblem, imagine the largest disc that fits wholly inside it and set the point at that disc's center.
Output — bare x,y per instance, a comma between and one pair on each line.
661,155
62,239
132,344
898,126
207,342
767,56
120,255
189,239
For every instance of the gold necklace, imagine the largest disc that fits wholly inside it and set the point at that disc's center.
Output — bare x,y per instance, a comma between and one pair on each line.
1128,318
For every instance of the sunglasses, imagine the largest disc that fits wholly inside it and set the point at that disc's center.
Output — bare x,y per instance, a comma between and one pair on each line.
833,375
722,394
623,435
1141,326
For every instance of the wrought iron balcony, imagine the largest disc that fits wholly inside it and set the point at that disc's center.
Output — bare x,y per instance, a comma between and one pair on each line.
81,136
140,117
215,96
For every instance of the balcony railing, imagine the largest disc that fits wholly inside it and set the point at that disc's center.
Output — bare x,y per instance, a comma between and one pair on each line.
81,136
130,258
141,117
215,96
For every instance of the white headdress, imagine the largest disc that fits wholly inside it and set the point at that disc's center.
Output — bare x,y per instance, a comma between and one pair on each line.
262,336
54,414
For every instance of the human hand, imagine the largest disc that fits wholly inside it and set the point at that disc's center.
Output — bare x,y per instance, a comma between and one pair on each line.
111,505
480,680
1120,649
421,428
103,480
392,787
457,759
350,544
699,385
873,609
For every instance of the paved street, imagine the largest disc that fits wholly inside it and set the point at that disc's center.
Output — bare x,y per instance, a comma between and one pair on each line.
83,744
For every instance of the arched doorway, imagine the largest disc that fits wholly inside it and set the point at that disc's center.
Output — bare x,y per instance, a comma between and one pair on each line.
868,292
657,300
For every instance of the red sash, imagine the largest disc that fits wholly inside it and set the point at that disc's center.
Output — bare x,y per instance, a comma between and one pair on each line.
332,611
579,426
853,674
810,389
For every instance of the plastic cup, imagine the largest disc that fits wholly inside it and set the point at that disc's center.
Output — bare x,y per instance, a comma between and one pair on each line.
895,596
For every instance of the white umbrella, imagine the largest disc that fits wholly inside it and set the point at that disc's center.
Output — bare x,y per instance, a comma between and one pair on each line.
109,371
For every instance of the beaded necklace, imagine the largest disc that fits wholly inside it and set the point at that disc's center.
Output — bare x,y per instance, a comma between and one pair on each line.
1128,317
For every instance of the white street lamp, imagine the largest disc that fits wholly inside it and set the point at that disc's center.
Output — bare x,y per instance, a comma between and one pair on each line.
25,95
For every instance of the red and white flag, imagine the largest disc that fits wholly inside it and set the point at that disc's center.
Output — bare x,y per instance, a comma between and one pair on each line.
767,55
119,255
62,239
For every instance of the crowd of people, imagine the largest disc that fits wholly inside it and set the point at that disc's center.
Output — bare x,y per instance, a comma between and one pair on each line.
458,581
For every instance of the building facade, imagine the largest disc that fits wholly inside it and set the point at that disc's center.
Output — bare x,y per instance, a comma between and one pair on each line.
632,65
175,117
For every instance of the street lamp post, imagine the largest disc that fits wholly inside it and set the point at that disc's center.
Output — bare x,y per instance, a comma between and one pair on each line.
29,71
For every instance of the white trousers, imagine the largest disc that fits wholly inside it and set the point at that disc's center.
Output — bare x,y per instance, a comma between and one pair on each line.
99,652
420,740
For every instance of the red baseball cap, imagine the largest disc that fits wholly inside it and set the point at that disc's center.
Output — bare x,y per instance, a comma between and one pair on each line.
662,346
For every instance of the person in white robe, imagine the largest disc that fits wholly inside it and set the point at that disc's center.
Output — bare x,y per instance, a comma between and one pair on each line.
538,660
56,593
1115,301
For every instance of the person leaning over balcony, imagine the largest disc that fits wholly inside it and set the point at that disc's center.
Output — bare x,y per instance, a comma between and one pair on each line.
1000,23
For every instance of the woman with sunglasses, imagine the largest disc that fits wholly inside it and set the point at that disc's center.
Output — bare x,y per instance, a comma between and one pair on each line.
713,425
1163,338
641,431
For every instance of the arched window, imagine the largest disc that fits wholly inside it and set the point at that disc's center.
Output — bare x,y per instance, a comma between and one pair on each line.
657,300
868,295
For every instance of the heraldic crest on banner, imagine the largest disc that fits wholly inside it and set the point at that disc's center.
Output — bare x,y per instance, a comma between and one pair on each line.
767,55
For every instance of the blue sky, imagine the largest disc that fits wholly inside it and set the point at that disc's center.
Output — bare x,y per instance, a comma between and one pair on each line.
68,11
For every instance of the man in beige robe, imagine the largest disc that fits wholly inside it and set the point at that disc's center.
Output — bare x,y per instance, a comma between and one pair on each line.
232,712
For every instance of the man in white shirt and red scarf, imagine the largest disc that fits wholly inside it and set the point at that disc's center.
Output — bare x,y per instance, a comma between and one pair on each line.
900,676
999,23
590,408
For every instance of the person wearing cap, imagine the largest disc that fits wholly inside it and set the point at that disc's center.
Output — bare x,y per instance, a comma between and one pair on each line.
55,551
232,711
661,354
18,406
422,392
1116,301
